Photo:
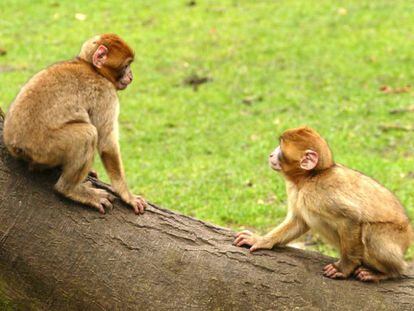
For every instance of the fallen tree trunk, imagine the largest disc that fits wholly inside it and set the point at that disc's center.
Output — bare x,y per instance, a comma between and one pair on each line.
58,255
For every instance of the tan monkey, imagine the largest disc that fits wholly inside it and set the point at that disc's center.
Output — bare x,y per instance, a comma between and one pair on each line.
351,211
70,109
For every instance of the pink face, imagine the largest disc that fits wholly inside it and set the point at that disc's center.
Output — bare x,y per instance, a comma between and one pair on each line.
125,79
274,159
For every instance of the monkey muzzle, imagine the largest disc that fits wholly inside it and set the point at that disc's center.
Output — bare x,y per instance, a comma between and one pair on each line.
274,159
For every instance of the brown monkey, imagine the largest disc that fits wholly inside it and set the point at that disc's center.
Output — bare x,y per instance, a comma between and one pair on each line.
353,212
68,110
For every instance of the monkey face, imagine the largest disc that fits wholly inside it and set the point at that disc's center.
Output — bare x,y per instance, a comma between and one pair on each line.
111,57
275,158
125,78
301,151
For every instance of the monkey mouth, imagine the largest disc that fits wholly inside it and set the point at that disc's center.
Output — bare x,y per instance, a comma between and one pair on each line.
121,85
275,166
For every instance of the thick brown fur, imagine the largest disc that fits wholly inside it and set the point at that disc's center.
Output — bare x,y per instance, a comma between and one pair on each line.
67,111
351,211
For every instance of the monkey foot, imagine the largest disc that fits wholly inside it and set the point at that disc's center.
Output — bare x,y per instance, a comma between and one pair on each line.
332,272
85,194
364,274
102,200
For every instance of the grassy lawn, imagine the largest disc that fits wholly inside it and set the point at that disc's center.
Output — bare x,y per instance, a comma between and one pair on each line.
271,65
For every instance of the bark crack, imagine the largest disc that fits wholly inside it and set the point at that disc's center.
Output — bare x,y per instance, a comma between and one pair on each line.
124,243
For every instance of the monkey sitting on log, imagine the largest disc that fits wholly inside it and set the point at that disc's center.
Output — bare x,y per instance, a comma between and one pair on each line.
65,112
352,212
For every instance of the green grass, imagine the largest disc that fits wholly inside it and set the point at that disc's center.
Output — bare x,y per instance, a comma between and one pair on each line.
204,153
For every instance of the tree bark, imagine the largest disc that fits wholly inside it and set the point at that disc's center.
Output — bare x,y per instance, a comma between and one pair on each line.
59,255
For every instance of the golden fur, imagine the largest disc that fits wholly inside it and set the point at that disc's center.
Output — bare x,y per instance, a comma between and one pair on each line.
351,211
67,111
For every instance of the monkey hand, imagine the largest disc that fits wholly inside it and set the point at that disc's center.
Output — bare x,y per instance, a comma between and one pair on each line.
254,241
138,203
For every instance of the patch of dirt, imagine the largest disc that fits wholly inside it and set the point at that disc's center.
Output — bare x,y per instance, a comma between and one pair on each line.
249,100
395,90
402,110
7,68
396,127
195,80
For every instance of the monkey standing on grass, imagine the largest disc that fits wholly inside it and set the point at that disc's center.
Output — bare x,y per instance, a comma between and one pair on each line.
354,213
70,109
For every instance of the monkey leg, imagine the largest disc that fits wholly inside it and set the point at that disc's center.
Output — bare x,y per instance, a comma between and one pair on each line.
78,143
384,253
351,249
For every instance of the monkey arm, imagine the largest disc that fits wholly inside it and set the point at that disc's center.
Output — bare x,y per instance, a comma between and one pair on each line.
109,151
110,154
291,228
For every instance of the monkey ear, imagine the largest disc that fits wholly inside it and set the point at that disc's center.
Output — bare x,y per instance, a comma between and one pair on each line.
309,160
100,56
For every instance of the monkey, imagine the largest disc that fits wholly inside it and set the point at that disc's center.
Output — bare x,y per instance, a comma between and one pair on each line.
351,211
66,112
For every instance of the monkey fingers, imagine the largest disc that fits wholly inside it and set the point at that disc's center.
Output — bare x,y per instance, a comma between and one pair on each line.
103,200
248,238
366,275
140,205
137,203
244,238
331,271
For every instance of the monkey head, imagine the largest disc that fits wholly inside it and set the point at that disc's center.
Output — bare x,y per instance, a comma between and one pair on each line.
111,57
301,151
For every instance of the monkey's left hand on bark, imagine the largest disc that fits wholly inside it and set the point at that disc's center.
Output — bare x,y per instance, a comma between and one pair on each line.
254,241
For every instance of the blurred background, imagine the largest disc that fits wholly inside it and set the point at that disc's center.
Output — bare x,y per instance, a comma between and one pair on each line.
216,82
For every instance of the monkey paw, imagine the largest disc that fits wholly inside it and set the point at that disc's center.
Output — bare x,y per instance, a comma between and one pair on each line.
138,203
332,272
102,200
364,274
254,241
